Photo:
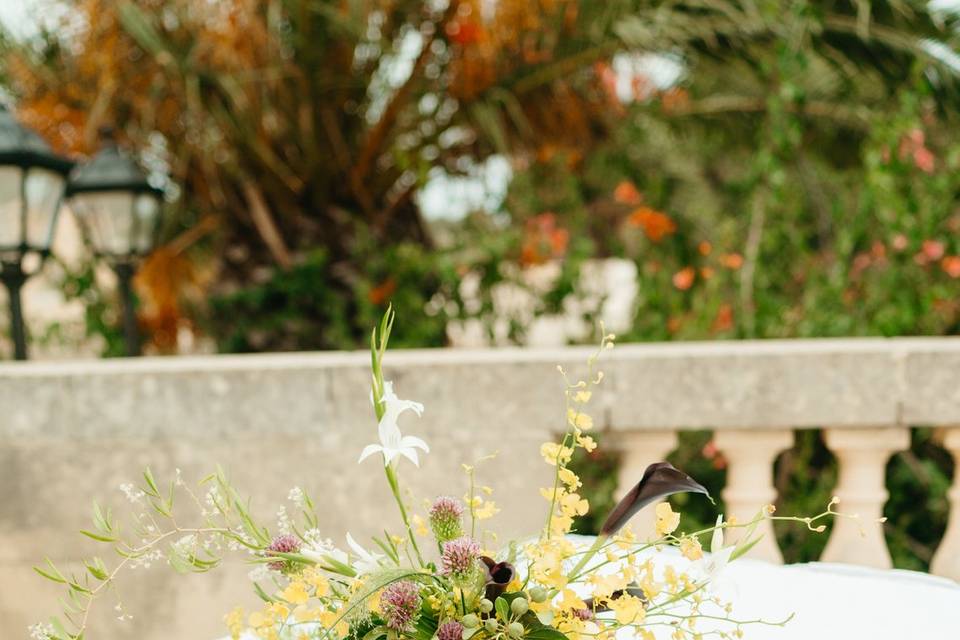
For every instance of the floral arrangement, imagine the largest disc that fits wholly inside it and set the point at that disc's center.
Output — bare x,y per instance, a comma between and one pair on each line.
549,586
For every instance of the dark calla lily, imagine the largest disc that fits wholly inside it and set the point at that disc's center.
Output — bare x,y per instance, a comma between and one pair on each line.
499,575
661,479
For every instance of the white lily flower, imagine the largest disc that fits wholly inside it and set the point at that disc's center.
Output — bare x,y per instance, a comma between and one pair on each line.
392,442
367,562
711,565
716,541
323,551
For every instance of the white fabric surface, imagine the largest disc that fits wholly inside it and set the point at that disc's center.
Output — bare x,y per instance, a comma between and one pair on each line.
837,601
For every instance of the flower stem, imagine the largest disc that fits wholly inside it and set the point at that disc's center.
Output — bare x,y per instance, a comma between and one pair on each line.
395,488
592,551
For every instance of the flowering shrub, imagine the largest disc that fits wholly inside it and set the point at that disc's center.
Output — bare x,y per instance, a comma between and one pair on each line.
548,586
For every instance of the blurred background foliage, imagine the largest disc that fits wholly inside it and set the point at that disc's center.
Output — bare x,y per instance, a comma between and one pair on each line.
771,168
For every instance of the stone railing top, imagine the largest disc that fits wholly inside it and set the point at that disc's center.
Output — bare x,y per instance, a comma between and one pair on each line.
746,384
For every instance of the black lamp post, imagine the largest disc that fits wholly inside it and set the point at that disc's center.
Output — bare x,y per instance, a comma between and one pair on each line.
32,180
119,212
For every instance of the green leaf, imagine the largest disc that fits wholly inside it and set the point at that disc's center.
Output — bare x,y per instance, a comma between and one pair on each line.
204,565
375,633
96,571
747,541
97,536
161,508
426,625
249,525
544,632
73,606
292,557
390,550
151,483
503,609
261,593
331,564
178,564
50,576
101,519
744,548
58,627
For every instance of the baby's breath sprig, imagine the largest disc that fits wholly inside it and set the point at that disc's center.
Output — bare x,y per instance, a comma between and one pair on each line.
155,536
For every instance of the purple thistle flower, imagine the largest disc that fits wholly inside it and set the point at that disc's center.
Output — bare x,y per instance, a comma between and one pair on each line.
399,604
460,556
445,517
285,543
450,630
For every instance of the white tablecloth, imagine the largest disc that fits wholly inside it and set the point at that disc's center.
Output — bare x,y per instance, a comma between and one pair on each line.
837,601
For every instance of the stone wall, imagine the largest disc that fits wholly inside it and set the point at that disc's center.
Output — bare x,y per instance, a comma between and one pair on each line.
73,432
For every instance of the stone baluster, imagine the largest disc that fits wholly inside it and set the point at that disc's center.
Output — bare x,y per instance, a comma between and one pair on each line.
946,562
861,488
638,450
750,456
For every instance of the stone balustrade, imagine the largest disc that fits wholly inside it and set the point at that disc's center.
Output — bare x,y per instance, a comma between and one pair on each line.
72,432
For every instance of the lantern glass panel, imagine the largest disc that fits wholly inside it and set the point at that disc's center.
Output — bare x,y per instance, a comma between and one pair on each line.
145,208
11,208
42,189
108,219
